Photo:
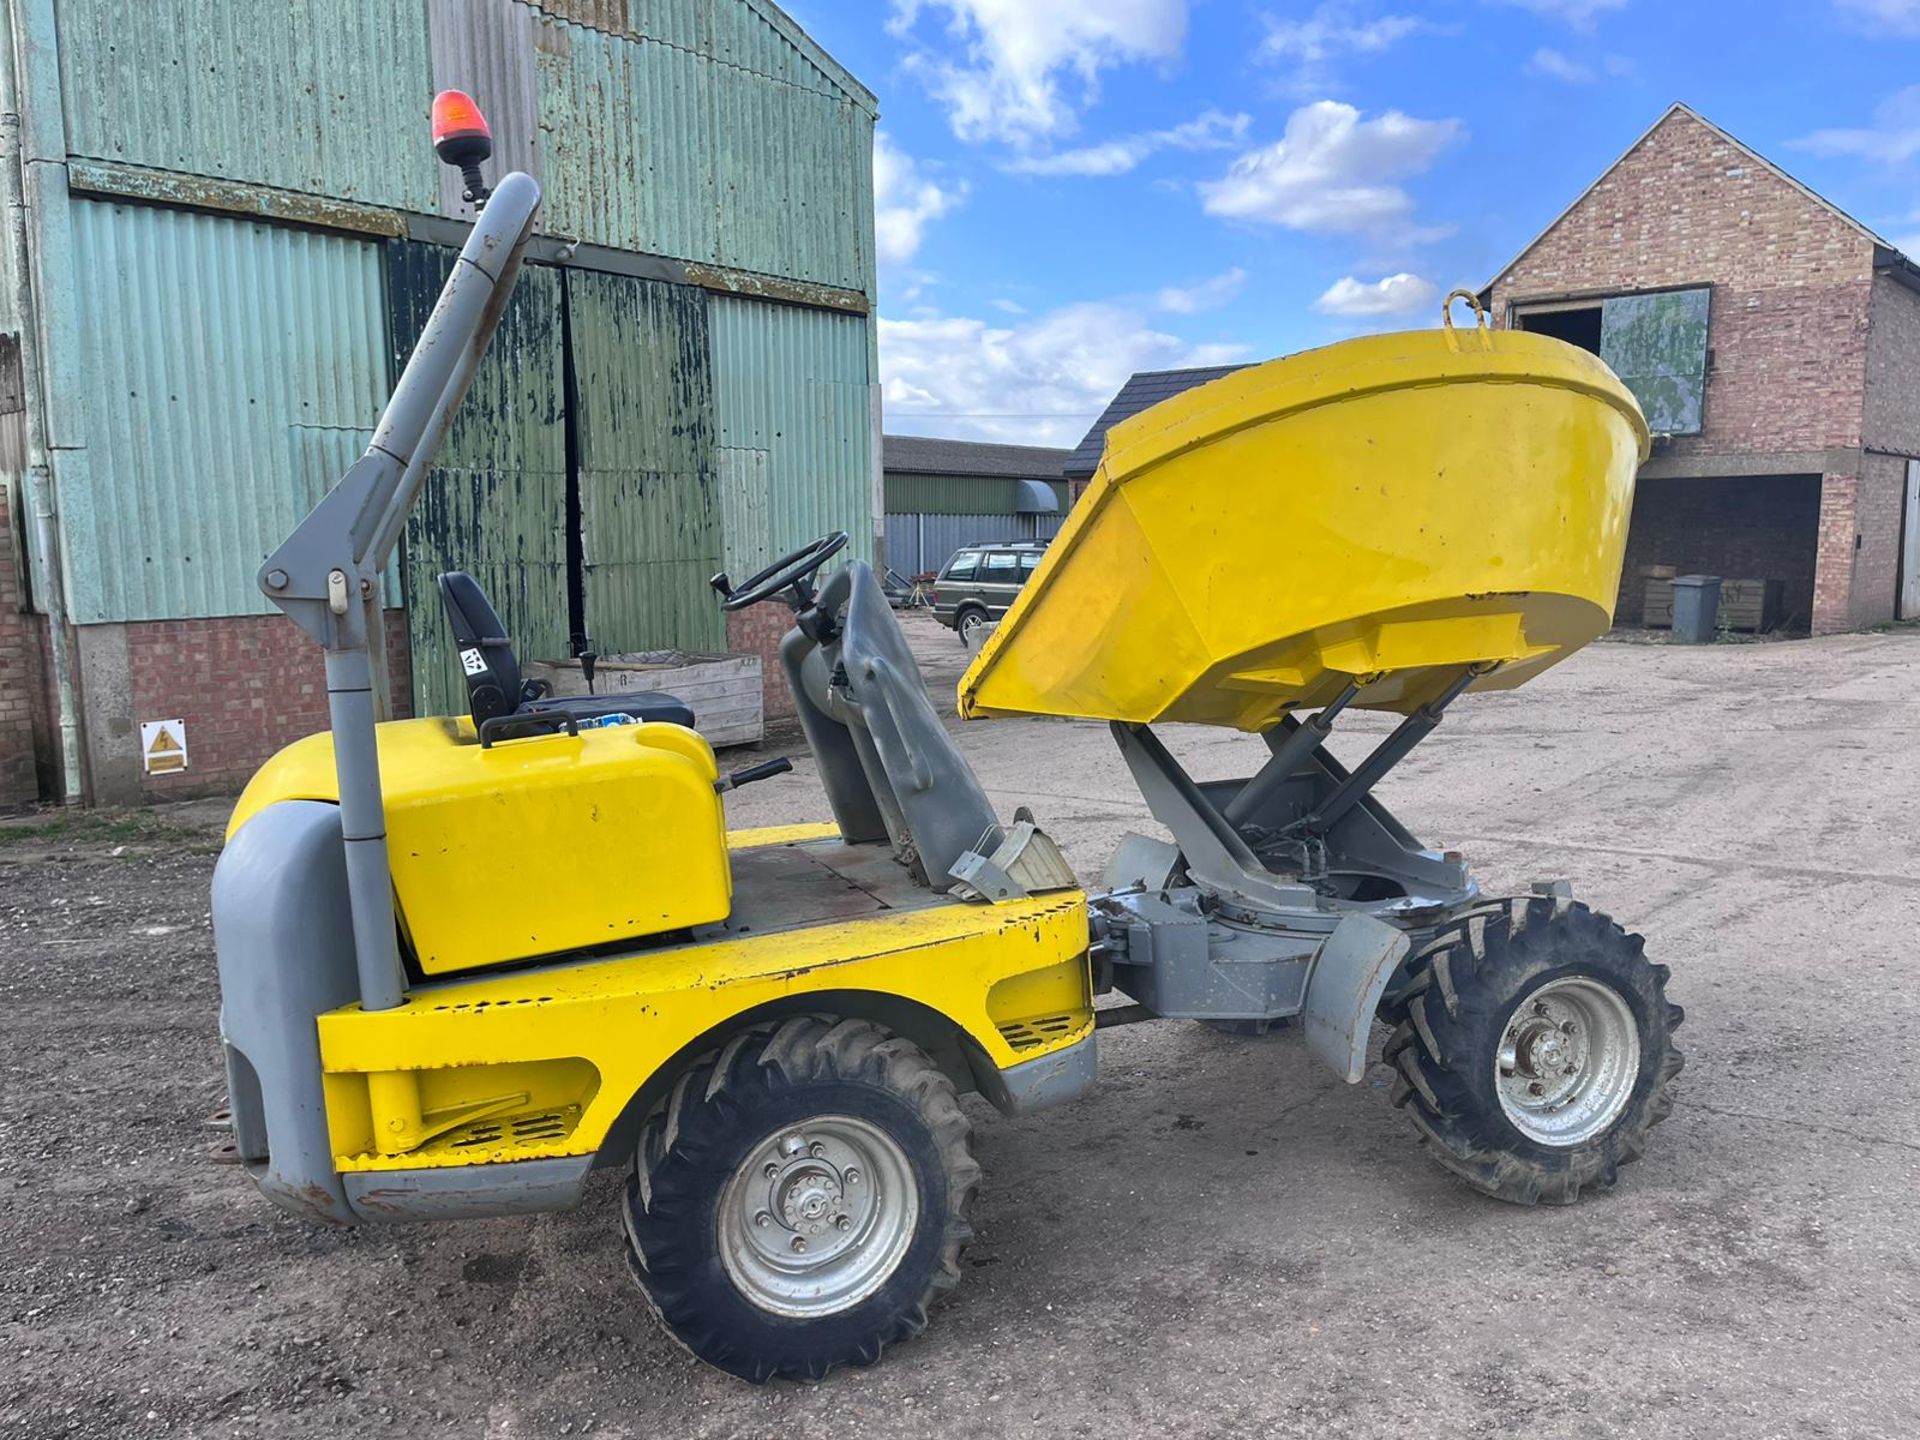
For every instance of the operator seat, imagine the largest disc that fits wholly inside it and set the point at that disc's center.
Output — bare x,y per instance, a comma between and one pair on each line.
494,683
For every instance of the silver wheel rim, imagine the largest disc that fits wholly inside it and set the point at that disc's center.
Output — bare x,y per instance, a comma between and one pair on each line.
818,1216
971,622
1568,1061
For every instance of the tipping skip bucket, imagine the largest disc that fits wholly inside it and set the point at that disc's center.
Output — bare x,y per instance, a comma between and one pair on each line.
1389,510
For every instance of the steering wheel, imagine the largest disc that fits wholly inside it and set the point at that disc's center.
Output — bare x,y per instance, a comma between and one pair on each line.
789,572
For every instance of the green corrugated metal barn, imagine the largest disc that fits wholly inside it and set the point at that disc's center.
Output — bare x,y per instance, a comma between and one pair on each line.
236,227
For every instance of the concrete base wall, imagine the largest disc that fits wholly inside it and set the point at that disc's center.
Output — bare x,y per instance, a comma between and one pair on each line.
244,686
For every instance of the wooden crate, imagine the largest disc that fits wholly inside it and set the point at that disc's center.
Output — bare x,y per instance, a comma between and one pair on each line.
1656,612
724,691
1751,604
1744,604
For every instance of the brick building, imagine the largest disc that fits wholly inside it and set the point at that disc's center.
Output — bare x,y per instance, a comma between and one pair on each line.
1774,342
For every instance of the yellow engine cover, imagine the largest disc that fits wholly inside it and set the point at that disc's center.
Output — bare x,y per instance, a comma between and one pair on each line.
535,846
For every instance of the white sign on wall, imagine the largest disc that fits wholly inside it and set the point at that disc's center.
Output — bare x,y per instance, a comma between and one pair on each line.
163,746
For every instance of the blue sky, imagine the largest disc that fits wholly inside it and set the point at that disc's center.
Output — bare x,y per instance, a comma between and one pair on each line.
1071,190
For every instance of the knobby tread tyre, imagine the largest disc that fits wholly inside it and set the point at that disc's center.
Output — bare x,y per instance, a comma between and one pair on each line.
724,1105
1449,1016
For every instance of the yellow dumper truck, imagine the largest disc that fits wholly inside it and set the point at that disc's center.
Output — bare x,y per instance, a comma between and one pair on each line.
467,960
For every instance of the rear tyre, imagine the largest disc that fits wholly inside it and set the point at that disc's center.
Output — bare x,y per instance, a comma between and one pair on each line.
801,1199
1534,1049
968,624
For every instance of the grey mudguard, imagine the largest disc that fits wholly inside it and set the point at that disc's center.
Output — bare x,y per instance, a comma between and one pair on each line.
284,937
1349,974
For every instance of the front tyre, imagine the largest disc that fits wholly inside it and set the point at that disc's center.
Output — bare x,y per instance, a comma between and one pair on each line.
801,1199
1534,1049
969,625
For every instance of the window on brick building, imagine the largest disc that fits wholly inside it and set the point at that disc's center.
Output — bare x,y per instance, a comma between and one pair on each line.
1656,342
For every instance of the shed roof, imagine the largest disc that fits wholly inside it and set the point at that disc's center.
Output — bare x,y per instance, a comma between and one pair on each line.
1144,388
929,455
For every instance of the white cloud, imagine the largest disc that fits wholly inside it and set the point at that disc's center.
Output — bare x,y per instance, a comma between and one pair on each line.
1896,17
1580,14
1020,70
1555,66
1333,171
1337,29
1893,137
1212,130
1008,307
1208,294
1332,30
1042,381
1395,295
904,202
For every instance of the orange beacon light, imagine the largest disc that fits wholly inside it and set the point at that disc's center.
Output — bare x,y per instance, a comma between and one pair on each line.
461,139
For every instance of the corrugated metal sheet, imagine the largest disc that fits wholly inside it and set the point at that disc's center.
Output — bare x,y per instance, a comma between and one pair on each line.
960,494
649,497
648,145
794,413
698,129
926,542
485,47
220,353
495,505
327,96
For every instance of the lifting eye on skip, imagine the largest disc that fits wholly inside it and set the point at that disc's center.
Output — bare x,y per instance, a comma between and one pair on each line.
466,960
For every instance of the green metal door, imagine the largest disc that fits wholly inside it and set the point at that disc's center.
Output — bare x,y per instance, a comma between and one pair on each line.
496,503
650,531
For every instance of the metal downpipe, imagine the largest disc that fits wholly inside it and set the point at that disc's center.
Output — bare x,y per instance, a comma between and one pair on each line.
41,480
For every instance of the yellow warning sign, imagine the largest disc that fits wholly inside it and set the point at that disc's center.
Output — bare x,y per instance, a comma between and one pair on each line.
163,746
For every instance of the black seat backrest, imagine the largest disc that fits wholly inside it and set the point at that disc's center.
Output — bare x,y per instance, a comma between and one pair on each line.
487,660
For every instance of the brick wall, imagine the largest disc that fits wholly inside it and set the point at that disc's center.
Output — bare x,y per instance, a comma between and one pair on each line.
758,630
22,694
1879,505
1683,523
1788,319
244,685
1891,419
1833,584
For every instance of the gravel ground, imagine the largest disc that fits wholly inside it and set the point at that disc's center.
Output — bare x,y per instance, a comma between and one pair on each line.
1224,1240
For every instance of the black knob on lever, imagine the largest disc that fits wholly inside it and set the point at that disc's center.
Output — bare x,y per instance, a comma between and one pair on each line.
766,770
722,585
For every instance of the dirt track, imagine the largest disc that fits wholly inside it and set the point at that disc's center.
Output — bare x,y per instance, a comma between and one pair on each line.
1223,1241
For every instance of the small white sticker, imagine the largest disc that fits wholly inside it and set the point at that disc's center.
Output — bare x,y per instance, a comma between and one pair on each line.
473,662
163,746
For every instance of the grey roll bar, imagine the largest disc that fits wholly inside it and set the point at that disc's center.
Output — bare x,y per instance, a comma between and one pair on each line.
326,575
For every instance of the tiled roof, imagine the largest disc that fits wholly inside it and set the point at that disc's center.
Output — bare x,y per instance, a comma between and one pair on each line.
1148,387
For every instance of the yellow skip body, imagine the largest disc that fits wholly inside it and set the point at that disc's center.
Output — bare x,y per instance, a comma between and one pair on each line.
1392,507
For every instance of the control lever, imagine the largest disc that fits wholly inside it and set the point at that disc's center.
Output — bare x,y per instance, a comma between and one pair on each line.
766,770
